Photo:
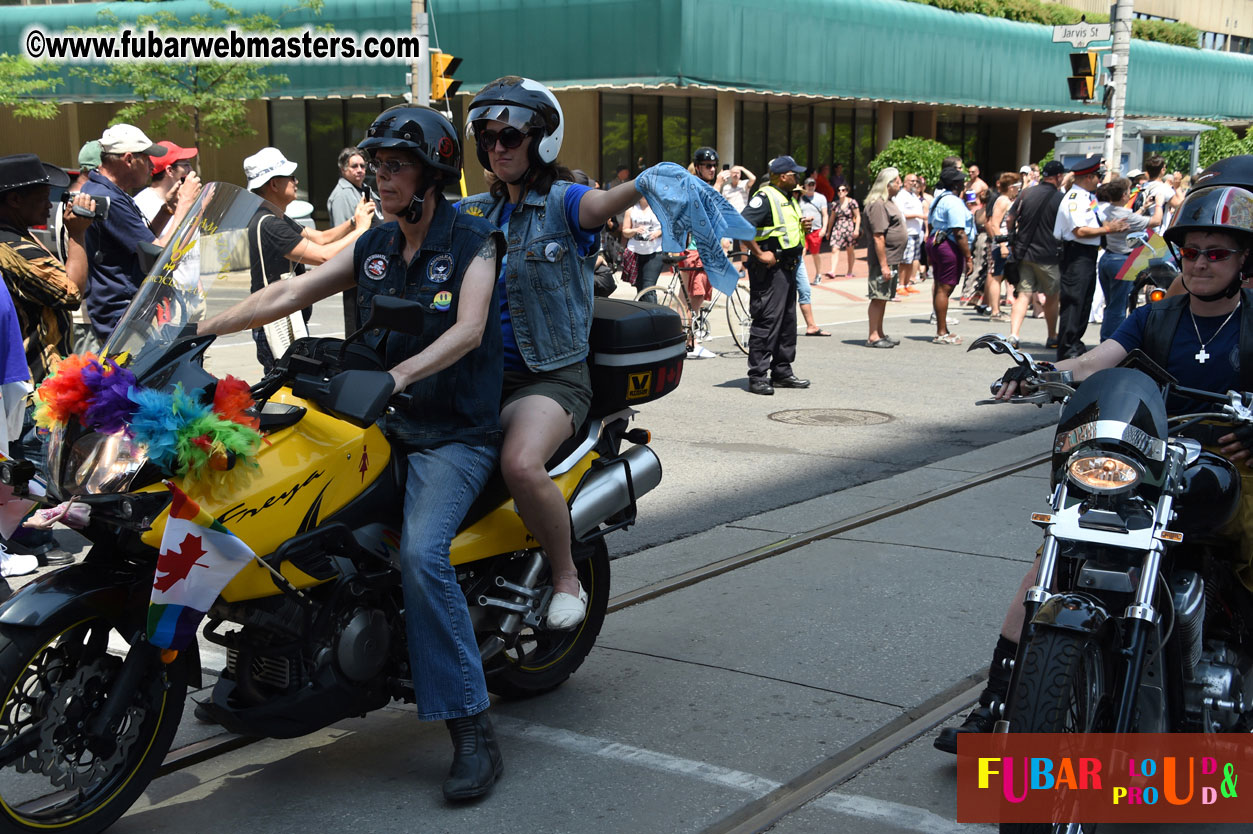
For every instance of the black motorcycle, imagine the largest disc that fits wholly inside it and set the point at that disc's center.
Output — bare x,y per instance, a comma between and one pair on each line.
1136,621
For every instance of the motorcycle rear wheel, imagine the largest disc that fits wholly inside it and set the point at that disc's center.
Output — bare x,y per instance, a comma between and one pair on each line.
541,659
51,680
1063,688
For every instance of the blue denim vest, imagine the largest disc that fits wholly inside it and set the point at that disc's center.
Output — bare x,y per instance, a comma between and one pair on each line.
462,402
549,285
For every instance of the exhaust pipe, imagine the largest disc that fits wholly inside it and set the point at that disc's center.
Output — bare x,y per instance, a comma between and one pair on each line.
605,491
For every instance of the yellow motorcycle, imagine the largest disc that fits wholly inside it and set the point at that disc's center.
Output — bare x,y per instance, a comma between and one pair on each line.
313,626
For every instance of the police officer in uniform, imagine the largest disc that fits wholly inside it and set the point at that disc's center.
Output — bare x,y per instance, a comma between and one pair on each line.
776,253
1079,229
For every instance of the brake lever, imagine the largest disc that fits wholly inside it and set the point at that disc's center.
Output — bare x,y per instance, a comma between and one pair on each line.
997,343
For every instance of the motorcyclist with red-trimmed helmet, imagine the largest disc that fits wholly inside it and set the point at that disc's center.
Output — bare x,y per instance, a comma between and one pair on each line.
451,370
1203,337
545,292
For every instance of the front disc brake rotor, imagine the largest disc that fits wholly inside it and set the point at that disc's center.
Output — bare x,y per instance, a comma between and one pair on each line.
69,756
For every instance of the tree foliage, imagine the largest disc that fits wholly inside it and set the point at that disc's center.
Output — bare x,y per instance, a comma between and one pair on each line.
912,155
1216,144
209,99
20,81
1055,14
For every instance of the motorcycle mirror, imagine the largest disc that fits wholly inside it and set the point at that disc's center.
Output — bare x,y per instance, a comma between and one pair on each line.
394,314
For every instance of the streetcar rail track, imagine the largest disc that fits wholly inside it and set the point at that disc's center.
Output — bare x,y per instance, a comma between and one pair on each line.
851,760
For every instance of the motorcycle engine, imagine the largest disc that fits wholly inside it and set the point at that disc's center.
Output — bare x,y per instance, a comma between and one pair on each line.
362,644
1216,692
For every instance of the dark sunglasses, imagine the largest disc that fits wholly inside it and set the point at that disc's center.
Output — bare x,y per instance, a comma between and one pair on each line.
845,190
391,166
1215,255
510,137
706,164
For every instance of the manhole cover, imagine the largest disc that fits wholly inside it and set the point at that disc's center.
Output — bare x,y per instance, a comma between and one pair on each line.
831,417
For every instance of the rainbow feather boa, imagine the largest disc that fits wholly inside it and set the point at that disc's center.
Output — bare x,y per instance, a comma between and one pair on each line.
183,434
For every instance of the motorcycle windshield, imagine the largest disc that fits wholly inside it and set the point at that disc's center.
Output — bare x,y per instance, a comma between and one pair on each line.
205,269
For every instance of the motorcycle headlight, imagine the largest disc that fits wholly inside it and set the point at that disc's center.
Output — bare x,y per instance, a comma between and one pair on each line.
99,464
1103,472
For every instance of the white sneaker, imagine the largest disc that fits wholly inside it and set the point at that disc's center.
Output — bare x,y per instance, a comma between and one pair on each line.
701,352
17,564
565,611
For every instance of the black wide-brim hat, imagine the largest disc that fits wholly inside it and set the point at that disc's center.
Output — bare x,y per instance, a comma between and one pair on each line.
22,169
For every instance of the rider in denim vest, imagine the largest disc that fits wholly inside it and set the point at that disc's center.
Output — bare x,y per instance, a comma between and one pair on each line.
551,228
462,402
550,298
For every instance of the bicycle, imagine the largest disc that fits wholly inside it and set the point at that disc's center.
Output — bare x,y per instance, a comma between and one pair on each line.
674,295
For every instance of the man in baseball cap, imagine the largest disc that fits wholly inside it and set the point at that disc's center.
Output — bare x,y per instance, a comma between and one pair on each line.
783,164
126,156
169,172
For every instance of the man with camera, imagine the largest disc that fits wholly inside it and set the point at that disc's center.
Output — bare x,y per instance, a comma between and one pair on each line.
44,291
126,156
159,200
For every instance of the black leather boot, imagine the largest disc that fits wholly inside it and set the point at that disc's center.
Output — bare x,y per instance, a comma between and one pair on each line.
476,761
982,718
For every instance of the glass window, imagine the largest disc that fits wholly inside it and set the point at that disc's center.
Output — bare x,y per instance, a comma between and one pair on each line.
287,133
615,135
645,131
863,149
704,125
799,144
776,129
842,142
674,130
823,136
753,132
326,139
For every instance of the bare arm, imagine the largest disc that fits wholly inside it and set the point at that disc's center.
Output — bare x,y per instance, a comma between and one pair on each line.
995,225
597,207
467,332
75,250
282,298
881,253
1156,219
188,191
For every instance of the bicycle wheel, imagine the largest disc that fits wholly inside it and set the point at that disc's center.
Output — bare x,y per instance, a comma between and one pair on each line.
738,317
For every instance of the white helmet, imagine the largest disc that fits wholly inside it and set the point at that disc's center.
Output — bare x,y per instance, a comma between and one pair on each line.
522,104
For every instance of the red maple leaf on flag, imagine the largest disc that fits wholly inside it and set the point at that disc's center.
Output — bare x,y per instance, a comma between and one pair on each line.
178,563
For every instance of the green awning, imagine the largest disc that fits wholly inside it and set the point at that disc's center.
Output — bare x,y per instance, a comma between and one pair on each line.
876,50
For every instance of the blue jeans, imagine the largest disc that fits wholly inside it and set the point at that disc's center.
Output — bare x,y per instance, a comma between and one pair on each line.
803,293
447,673
1117,293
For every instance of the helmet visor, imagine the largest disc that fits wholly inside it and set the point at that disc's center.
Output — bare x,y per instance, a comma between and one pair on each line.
522,118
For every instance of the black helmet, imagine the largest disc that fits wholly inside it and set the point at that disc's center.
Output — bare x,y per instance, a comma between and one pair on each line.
1218,208
705,154
422,130
1234,170
522,104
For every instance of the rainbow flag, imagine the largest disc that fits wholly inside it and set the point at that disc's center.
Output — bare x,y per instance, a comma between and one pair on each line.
198,558
1141,257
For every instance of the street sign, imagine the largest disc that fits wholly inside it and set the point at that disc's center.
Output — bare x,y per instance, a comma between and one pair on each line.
1081,34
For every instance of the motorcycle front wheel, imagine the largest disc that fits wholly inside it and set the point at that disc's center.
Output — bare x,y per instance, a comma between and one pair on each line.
1064,687
542,659
55,773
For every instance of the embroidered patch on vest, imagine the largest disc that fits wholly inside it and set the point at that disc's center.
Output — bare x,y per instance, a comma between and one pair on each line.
376,266
755,202
439,269
443,300
473,211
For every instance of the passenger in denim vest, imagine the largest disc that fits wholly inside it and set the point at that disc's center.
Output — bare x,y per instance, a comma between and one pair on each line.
545,285
452,371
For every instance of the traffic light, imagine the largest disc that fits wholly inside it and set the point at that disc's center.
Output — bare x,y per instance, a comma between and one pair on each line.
443,66
1082,81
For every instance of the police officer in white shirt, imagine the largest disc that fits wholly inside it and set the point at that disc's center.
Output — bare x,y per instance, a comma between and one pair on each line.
1079,229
